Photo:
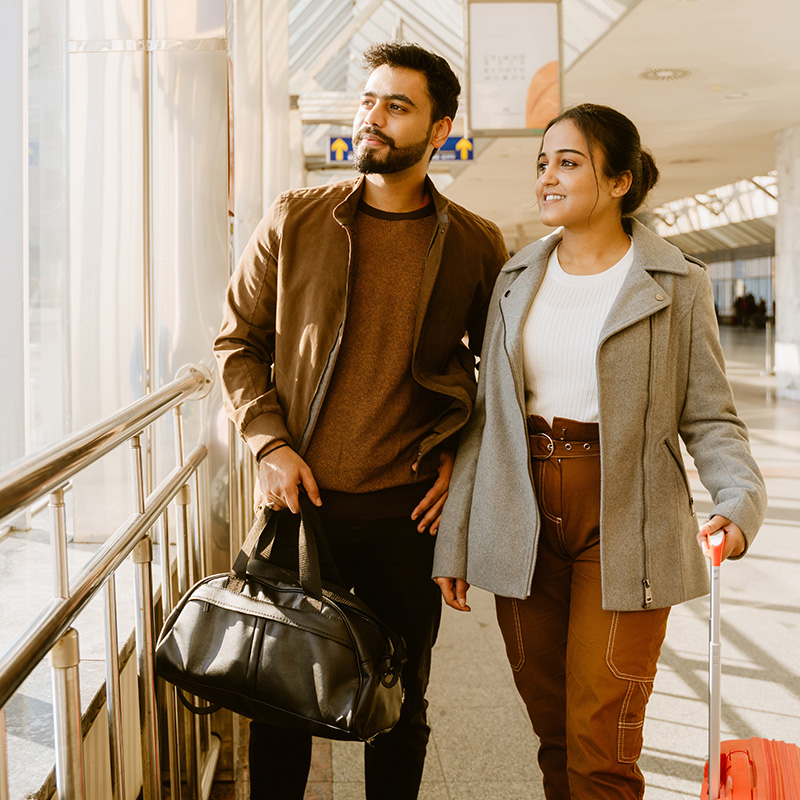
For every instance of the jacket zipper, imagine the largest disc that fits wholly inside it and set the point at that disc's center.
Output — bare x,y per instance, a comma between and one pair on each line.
325,378
646,587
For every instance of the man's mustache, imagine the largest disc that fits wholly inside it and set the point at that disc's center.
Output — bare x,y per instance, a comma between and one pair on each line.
375,134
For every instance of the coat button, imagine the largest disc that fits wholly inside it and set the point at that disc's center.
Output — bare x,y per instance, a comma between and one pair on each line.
659,297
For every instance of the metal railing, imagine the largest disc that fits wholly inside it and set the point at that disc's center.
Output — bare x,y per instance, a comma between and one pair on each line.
52,632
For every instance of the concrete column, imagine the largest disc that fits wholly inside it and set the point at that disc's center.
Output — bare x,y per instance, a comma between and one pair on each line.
787,265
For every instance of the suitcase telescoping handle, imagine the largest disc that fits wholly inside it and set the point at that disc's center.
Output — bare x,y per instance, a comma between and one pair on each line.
715,542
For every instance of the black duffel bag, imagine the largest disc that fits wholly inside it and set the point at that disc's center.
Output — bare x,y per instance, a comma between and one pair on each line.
283,648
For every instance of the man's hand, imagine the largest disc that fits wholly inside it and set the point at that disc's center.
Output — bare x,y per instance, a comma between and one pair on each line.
454,592
734,538
280,474
431,505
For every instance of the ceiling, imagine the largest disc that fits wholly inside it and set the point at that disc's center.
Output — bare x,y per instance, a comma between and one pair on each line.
711,128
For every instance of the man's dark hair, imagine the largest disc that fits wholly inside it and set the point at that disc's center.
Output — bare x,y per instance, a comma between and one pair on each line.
443,85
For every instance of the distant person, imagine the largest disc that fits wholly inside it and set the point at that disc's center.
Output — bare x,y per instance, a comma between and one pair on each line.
740,307
762,313
569,500
751,310
345,369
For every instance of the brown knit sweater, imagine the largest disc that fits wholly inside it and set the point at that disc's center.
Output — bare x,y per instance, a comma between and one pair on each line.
374,414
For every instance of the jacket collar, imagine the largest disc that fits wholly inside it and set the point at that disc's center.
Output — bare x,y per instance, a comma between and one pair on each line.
640,296
650,251
345,212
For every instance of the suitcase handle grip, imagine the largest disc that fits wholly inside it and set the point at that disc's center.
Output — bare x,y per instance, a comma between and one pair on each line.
715,542
739,773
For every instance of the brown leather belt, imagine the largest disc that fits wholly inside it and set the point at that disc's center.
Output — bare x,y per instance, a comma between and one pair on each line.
544,446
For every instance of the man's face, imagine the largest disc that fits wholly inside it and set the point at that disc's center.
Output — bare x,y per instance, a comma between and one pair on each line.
392,130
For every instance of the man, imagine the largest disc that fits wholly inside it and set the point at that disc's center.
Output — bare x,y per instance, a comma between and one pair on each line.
344,369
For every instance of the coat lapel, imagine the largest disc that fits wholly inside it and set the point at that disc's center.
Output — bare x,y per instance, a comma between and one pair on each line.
639,297
641,294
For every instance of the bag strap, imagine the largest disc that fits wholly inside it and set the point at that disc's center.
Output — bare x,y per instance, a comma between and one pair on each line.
310,520
201,711
261,537
260,526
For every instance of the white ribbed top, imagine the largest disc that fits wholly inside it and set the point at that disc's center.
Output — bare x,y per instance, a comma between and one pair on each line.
560,339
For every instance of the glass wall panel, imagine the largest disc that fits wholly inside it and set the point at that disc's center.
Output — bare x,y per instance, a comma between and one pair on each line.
106,266
48,398
101,20
200,19
190,158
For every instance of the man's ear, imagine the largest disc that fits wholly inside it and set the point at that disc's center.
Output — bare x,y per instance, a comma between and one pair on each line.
440,132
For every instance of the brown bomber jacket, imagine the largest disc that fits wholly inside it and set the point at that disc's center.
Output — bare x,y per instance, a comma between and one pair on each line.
287,301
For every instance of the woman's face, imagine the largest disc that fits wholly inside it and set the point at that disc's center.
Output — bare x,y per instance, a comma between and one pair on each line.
570,190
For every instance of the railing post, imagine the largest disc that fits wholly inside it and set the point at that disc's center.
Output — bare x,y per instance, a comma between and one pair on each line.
185,579
137,471
143,558
64,658
113,703
173,743
3,757
58,538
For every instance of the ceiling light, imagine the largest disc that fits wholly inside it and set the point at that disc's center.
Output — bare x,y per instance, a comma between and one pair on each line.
664,74
735,96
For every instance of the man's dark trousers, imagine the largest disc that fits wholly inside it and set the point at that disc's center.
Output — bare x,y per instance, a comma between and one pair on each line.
388,564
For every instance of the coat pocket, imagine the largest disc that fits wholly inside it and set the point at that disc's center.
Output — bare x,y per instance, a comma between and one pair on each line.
678,461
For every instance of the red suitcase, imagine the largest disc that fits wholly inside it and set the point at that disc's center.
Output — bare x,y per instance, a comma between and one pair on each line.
743,769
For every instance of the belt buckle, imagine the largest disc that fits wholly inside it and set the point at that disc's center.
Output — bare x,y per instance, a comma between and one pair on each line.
551,445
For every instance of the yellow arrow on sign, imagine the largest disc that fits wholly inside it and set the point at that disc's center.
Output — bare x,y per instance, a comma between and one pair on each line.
339,148
463,146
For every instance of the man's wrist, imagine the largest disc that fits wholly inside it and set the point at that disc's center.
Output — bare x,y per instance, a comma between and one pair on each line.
272,449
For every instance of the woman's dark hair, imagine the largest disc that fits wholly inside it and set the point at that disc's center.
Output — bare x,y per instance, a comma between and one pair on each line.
443,85
619,142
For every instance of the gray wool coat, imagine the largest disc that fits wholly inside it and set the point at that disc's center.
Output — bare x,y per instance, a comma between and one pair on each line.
661,377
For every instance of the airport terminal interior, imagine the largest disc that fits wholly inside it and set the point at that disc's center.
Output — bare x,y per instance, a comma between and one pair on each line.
141,142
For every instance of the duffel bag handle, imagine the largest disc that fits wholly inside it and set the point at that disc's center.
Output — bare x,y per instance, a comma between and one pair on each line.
261,537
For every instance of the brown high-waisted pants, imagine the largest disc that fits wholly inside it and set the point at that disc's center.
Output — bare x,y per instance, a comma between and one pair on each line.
584,673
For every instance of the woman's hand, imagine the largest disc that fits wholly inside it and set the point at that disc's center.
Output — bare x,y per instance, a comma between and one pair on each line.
454,591
734,538
432,504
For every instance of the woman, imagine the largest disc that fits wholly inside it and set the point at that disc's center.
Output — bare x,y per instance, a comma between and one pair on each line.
569,500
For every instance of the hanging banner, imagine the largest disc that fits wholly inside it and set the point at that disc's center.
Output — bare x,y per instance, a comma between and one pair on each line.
513,64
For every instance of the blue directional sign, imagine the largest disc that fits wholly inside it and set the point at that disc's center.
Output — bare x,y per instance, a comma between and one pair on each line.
456,148
340,149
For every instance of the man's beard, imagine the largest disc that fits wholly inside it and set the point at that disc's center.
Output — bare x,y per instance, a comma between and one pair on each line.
396,160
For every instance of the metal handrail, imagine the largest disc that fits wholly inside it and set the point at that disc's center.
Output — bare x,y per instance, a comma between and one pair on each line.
51,632
33,644
38,474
